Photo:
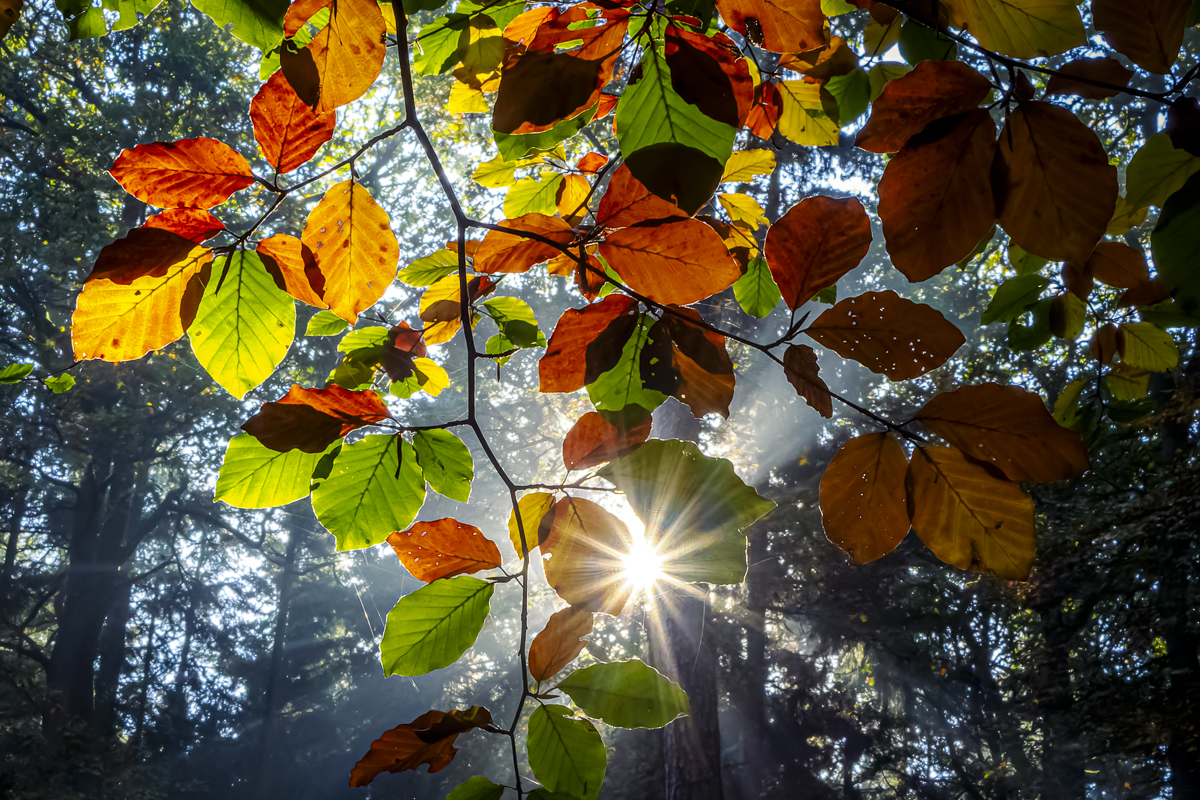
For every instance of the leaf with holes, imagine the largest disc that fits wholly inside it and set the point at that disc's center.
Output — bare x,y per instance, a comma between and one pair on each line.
444,548
342,61
776,25
863,497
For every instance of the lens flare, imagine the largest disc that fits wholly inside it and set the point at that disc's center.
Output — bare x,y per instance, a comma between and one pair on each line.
642,566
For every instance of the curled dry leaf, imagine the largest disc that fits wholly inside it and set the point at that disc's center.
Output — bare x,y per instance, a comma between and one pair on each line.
297,265
310,420
863,497
814,244
428,739
444,548
1055,190
511,252
583,556
192,173
934,89
935,197
564,367
559,642
888,334
1009,428
678,262
594,440
969,515
288,132
800,367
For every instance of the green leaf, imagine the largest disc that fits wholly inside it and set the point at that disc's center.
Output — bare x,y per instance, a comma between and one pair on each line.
432,627
693,507
756,291
1022,28
828,295
86,20
565,752
370,494
627,694
325,323
835,8
1067,408
14,373
60,383
622,385
255,476
356,371
1157,171
440,44
1012,297
1036,333
270,58
533,196
363,338
477,788
1148,347
519,145
516,321
255,22
651,112
852,92
1175,243
430,269
244,325
1024,262
920,43
447,463
495,173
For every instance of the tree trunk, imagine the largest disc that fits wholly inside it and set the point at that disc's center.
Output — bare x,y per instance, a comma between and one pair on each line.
112,662
284,583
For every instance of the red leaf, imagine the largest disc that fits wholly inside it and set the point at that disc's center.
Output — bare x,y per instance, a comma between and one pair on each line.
564,367
444,548
764,114
196,173
677,262
301,276
594,440
510,252
287,130
191,223
814,244
591,163
310,420
934,89
428,739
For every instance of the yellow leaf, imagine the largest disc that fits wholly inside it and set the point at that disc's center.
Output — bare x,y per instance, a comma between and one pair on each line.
389,17
803,119
1127,383
430,376
1145,346
1021,28
1125,218
745,165
495,173
1157,170
533,508
465,100
743,210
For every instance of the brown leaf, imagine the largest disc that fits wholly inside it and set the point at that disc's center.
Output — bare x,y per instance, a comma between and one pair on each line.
539,90
935,197
863,497
781,26
800,367
342,61
1009,428
1150,33
827,62
1144,294
402,346
302,277
509,252
1118,265
1055,190
10,11
191,223
196,173
709,73
627,202
678,262
1103,345
559,642
969,515
444,548
594,440
287,130
934,89
814,244
1091,71
428,739
310,420
583,556
700,370
143,252
888,334
564,367
351,237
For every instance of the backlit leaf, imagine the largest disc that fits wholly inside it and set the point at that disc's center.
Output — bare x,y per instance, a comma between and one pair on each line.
510,252
428,739
533,507
756,291
969,515
745,165
298,266
477,788
198,173
593,440
1008,428
934,89
814,244
559,642
444,548
582,556
191,223
1150,34
142,252
564,367
888,334
678,262
1119,265
287,130
685,360
371,492
430,269
627,694
351,237
446,462
533,195
255,476
863,506
432,627
256,22
1013,297
1021,28
803,116
342,60
1158,170
565,752
1145,346
627,201
777,25
800,367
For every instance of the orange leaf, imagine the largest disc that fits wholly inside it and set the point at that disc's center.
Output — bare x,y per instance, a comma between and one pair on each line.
1008,428
583,556
934,89
935,197
524,26
564,367
310,420
814,244
709,73
685,360
888,334
863,497
970,516
591,163
342,61
781,26
1055,190
510,252
800,367
444,548
1101,70
764,114
191,223
1118,265
572,197
1149,33
428,739
594,440
287,130
593,32
301,276
677,262
540,90
117,322
143,252
351,237
827,62
627,201
197,173
441,305
559,642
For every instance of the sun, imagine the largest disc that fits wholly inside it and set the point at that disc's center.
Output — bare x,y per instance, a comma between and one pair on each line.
642,566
